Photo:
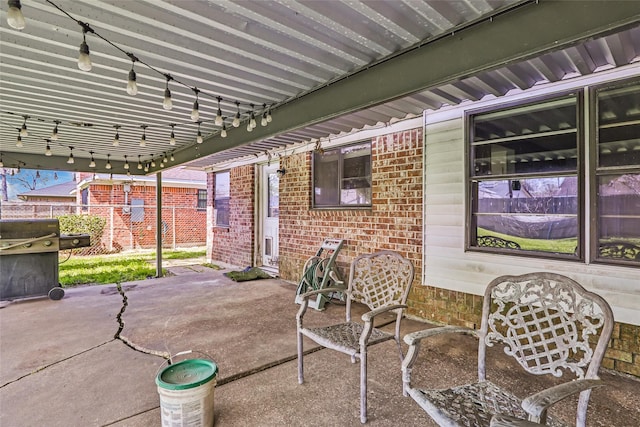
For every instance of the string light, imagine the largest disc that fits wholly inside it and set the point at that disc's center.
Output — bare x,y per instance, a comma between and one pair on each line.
195,112
172,158
108,165
126,163
143,138
153,163
84,60
132,86
15,18
252,121
1,162
264,121
23,130
54,134
92,164
146,167
139,163
166,102
219,120
165,160
269,118
236,119
116,137
19,141
47,151
172,137
199,139
223,132
70,160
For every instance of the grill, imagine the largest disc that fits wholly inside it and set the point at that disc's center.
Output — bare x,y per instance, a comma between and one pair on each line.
29,257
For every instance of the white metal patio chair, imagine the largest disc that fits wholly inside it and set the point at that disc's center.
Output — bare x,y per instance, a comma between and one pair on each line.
381,281
544,321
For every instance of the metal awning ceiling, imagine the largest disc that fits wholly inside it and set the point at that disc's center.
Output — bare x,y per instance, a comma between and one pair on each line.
322,67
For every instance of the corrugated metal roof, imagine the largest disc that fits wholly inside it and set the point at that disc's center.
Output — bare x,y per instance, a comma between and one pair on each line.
251,52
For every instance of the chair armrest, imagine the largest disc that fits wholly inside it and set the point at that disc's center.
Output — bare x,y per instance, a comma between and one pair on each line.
369,315
416,337
507,421
537,404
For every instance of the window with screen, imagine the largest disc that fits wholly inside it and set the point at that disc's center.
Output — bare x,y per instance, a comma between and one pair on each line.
202,200
342,177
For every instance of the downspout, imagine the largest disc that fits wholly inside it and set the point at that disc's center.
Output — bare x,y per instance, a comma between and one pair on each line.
159,224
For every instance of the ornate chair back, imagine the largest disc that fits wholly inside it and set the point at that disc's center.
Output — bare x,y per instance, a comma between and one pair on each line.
544,321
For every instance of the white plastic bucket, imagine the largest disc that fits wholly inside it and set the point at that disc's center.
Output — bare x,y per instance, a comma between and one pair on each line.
186,393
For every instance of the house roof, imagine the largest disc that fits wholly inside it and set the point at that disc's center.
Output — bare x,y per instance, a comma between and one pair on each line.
63,190
321,68
176,177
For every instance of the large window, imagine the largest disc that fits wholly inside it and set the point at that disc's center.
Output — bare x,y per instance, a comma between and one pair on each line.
342,177
528,177
524,178
221,199
616,237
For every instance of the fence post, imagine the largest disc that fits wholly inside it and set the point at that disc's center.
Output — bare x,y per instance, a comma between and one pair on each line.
111,228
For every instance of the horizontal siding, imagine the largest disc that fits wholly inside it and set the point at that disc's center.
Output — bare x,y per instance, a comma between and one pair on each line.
448,266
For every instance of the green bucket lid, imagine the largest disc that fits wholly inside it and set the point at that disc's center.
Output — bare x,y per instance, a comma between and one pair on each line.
187,374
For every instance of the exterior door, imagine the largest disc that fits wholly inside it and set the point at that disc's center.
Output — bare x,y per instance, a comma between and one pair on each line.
269,190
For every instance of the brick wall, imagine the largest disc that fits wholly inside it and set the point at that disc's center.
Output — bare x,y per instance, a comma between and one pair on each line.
235,244
393,222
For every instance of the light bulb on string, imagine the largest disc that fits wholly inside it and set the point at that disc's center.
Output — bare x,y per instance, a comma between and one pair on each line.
146,167
252,121
54,133
23,130
15,18
1,162
108,165
223,132
139,163
172,137
249,127
173,159
195,112
116,137
19,143
153,163
167,104
70,160
47,150
269,118
84,60
132,86
143,138
165,159
126,163
199,139
219,120
92,164
264,121
236,119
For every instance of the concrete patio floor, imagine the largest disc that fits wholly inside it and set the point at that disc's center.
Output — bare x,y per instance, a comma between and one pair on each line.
61,366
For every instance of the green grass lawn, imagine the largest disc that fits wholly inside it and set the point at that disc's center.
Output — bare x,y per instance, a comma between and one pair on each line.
103,269
558,246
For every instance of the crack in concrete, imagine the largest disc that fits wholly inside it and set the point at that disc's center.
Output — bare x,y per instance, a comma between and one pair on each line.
127,341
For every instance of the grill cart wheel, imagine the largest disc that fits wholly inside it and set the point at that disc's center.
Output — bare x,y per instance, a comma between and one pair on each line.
56,293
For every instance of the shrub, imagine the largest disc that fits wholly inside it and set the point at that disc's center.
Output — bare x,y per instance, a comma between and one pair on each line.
88,224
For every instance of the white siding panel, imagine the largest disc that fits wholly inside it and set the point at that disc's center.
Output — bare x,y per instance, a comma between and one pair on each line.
447,265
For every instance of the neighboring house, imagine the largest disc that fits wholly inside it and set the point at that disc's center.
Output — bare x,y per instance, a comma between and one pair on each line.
59,193
128,203
419,187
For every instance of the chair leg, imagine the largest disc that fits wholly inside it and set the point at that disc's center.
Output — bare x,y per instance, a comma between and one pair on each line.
400,350
300,363
363,385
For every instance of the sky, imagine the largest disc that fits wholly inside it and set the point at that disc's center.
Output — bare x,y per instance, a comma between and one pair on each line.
26,180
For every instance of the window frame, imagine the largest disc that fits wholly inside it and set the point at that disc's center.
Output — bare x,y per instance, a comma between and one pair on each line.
471,181
340,177
201,203
596,171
